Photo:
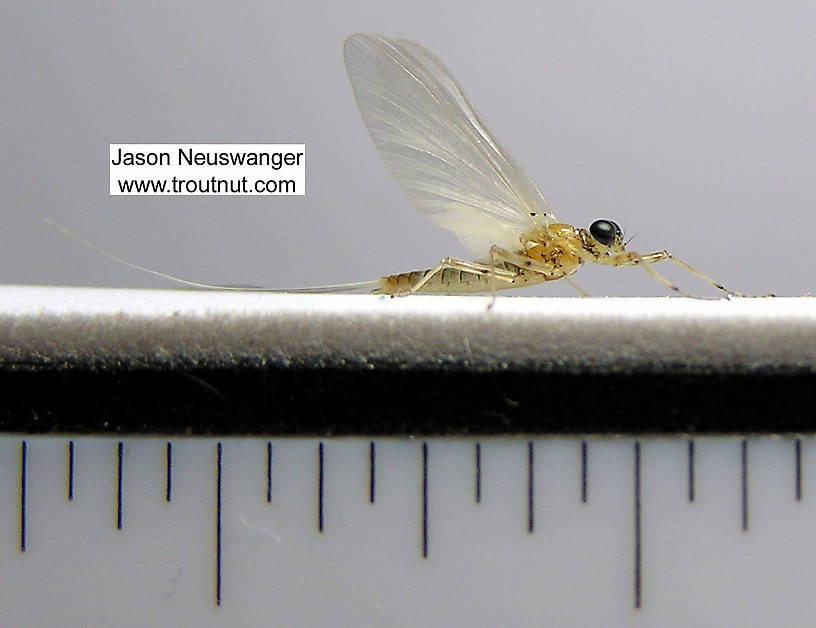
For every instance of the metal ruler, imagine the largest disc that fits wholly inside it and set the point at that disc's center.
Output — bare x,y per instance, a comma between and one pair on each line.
473,516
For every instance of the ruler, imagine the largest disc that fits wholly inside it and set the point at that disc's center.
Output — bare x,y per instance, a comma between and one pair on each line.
196,459
405,531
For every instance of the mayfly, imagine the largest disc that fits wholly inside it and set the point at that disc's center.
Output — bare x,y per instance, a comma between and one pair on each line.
455,172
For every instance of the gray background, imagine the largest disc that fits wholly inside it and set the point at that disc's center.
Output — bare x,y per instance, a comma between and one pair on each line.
691,124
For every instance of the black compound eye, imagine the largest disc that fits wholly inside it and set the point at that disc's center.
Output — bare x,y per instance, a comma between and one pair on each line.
605,231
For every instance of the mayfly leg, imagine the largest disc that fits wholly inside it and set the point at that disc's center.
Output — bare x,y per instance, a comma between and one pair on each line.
647,265
633,259
578,288
492,277
689,268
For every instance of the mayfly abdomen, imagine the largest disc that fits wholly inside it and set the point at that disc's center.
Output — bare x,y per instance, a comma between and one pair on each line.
455,281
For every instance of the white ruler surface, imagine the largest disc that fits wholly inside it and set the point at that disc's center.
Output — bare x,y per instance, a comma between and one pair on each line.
399,531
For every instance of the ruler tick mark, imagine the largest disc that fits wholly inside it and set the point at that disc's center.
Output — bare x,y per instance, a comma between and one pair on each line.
744,485
424,500
691,470
320,471
372,457
583,472
798,452
120,453
268,472
70,471
478,473
530,487
23,475
218,548
169,471
638,555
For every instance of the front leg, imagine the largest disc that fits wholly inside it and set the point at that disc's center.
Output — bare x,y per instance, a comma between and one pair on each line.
636,259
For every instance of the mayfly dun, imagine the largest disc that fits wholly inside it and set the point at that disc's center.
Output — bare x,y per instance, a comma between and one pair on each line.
455,172
458,174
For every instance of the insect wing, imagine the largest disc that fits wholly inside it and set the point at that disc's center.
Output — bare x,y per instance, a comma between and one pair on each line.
449,164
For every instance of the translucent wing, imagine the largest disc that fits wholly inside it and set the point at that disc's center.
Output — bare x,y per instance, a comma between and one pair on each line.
449,164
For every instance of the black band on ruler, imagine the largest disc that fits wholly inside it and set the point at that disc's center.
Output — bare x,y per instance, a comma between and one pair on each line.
249,400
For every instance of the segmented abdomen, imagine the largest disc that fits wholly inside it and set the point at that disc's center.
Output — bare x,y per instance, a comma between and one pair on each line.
454,281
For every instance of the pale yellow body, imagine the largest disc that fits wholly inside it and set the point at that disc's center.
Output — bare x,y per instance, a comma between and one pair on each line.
547,253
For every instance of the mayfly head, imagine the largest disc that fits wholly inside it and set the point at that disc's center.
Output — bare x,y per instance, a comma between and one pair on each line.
605,238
